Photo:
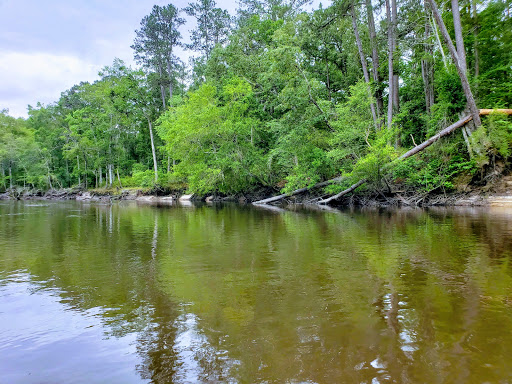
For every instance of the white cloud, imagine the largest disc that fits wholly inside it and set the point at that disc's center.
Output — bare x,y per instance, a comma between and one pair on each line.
47,47
26,78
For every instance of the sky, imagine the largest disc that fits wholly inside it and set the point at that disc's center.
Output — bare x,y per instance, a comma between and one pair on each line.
48,46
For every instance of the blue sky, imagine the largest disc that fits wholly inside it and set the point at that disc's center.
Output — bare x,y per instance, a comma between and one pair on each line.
48,46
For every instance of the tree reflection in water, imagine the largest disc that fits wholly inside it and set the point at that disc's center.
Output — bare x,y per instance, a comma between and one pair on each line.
236,294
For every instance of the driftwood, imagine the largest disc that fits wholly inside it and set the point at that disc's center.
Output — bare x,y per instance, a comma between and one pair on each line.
412,152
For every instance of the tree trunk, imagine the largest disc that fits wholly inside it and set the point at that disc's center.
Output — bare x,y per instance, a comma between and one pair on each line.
476,27
297,191
413,151
170,80
461,123
3,177
390,65
162,88
441,49
460,70
101,176
427,69
119,178
363,63
342,193
78,167
396,85
153,149
375,57
459,41
110,176
10,175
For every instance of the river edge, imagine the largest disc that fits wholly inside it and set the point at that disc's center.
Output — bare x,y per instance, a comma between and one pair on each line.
476,198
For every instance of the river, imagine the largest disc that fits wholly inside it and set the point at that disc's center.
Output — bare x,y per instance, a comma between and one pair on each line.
129,293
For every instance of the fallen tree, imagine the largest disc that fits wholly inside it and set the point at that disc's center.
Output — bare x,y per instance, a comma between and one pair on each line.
421,147
411,152
297,191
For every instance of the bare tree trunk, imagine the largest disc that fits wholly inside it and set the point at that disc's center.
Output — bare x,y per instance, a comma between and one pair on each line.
3,177
342,193
10,175
394,18
78,166
162,89
101,176
476,27
170,80
427,69
412,152
460,70
68,178
110,176
363,63
459,41
119,178
153,149
375,57
297,191
441,49
390,65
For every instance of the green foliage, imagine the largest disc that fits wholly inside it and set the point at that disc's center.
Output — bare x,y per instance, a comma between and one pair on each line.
436,168
353,128
20,156
212,139
278,100
494,138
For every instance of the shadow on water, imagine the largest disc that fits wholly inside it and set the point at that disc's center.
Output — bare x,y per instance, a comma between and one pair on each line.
227,293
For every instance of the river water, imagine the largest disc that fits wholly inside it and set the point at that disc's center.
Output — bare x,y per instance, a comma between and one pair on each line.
128,293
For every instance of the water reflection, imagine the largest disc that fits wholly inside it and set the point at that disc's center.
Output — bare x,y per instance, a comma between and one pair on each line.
236,294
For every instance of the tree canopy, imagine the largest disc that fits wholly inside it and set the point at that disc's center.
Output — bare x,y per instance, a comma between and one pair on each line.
280,98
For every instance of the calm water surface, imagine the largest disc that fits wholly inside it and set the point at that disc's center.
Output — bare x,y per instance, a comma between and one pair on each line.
143,294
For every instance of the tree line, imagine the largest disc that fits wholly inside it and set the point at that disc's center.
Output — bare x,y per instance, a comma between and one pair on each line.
277,97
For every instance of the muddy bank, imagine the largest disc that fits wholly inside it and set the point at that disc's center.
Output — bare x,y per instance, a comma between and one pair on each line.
94,195
500,195
108,196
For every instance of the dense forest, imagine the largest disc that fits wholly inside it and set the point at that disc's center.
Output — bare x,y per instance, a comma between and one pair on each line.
276,98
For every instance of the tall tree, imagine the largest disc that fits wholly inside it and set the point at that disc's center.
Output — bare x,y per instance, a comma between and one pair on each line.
271,9
427,67
475,37
460,69
155,42
362,57
391,83
459,40
396,82
375,56
213,25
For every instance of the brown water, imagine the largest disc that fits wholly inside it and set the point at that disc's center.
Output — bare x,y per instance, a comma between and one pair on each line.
131,294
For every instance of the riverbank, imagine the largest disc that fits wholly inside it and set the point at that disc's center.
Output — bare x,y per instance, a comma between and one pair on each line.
473,198
498,193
